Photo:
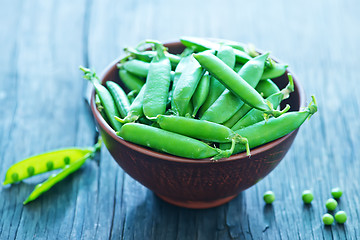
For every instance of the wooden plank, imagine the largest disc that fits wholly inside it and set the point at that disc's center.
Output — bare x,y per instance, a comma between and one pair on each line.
39,61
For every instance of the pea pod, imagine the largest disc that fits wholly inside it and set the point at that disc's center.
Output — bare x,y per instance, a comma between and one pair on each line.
42,163
55,178
227,55
106,99
201,44
255,115
200,129
178,71
157,83
273,128
131,81
234,82
265,88
201,93
274,71
136,67
135,109
186,86
121,100
229,103
169,142
147,56
100,108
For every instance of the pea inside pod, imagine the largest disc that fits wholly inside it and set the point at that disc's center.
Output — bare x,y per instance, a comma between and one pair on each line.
42,163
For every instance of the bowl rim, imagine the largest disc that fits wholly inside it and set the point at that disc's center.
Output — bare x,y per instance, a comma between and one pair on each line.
167,157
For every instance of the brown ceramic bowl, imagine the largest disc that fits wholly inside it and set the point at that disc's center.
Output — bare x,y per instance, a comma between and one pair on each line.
195,183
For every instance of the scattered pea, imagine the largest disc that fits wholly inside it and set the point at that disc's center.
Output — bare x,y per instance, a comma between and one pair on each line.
307,196
340,217
328,219
336,192
331,204
269,197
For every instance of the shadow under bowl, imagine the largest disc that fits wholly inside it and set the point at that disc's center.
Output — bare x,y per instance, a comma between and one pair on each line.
193,183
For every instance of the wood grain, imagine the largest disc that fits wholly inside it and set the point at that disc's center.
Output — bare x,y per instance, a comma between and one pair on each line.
42,43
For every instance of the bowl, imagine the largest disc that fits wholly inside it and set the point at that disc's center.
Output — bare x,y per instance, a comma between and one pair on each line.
194,183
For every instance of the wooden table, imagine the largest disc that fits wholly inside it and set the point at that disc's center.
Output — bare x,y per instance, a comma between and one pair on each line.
42,43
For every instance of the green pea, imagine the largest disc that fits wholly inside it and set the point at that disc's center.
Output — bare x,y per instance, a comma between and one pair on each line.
66,160
269,197
336,192
328,219
307,196
50,165
15,177
340,217
331,204
31,170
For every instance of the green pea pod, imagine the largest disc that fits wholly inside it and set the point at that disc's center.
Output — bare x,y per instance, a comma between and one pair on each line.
266,88
227,55
273,128
136,67
131,81
132,95
44,162
255,115
147,56
198,44
229,103
106,99
186,86
201,93
135,109
234,82
100,108
55,178
200,129
178,71
120,97
274,71
201,44
157,83
169,142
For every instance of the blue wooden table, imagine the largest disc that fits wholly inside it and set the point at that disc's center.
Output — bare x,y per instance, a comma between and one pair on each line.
42,43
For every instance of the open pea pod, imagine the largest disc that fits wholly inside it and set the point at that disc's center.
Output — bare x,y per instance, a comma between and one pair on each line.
44,162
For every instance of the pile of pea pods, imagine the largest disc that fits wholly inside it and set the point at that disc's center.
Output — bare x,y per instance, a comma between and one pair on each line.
213,100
